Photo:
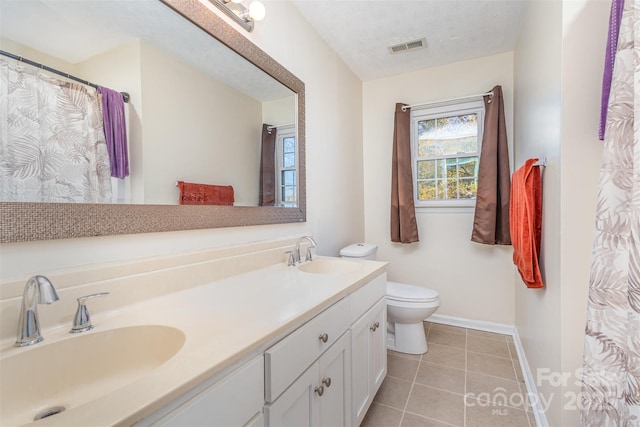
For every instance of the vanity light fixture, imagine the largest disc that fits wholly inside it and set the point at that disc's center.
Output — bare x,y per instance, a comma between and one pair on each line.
245,16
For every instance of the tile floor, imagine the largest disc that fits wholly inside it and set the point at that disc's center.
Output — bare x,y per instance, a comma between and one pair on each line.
468,378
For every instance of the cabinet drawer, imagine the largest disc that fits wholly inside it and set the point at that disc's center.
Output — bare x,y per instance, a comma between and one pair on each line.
362,299
235,400
285,361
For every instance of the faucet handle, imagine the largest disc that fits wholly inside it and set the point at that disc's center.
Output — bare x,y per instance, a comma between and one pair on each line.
292,260
82,320
309,257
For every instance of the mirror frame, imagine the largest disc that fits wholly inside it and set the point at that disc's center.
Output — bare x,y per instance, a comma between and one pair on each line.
26,221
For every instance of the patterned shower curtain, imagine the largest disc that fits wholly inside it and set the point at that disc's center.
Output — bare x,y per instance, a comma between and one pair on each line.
52,144
611,369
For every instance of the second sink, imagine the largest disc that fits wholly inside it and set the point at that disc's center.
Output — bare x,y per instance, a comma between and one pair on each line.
329,266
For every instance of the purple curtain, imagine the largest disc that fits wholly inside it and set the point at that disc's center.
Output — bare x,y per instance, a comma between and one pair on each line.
115,131
491,217
612,45
267,196
404,228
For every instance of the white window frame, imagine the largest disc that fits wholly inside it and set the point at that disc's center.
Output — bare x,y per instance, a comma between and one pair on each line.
433,112
283,132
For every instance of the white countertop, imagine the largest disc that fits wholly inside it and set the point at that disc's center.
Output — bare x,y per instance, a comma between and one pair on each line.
224,322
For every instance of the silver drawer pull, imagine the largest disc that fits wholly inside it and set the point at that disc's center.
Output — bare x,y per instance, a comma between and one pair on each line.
327,382
319,390
324,338
375,326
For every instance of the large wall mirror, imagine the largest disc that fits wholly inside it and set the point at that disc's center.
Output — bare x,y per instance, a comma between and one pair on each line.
201,97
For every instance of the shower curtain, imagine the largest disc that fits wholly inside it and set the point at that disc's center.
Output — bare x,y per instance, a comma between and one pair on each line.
611,369
52,144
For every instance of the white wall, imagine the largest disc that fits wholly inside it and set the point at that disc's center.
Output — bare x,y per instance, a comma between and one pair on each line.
558,69
334,166
196,129
538,134
474,281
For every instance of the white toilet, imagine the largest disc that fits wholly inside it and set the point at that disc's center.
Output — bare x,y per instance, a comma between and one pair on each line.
407,307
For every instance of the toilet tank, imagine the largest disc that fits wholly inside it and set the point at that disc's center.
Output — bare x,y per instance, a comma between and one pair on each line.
360,250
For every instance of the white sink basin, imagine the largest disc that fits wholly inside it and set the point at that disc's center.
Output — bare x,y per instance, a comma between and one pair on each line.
81,369
329,266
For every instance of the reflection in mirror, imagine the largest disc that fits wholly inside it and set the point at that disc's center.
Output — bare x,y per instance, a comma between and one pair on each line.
196,111
26,221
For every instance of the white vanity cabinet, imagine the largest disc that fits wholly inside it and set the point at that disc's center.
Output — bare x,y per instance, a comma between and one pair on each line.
368,345
324,373
308,373
320,396
235,400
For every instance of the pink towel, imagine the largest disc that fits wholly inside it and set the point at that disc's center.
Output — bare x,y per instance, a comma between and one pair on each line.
525,216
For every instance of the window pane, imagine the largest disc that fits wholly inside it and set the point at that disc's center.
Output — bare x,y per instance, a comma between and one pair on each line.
452,168
289,194
441,172
289,177
441,189
426,169
468,188
427,190
448,135
289,160
468,166
289,145
452,189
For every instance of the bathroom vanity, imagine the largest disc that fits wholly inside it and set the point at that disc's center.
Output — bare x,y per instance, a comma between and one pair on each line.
249,341
324,373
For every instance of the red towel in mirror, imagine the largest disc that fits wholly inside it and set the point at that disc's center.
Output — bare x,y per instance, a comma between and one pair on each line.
205,194
525,216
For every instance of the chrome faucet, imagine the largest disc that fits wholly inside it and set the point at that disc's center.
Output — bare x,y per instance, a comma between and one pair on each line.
296,253
37,290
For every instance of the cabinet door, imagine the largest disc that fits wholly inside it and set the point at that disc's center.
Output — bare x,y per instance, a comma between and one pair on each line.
335,402
297,406
378,350
369,358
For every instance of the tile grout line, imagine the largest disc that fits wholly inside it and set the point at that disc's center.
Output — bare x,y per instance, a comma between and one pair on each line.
404,410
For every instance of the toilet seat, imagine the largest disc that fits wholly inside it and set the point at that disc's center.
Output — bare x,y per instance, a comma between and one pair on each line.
402,292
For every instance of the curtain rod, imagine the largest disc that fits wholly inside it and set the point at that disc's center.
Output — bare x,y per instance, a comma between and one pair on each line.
125,95
280,126
404,107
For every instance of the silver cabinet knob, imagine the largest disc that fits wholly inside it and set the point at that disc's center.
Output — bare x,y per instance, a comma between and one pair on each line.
327,382
324,338
319,390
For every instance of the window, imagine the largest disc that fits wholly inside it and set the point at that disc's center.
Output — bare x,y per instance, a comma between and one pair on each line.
446,144
286,167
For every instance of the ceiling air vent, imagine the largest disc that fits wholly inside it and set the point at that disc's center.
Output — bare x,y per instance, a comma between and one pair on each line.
412,45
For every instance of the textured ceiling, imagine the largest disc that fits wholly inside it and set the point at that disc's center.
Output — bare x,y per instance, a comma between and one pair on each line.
361,31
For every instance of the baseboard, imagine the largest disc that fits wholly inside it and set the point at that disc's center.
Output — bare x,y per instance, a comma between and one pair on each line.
501,328
480,325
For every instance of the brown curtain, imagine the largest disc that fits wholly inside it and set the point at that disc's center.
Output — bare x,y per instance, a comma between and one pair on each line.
267,196
491,219
404,228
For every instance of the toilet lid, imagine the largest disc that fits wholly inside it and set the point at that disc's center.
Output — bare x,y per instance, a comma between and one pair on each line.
404,292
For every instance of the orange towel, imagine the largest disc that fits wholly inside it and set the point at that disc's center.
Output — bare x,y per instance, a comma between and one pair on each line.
525,216
205,194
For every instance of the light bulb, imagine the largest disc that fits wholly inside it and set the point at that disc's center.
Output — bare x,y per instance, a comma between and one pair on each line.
257,11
